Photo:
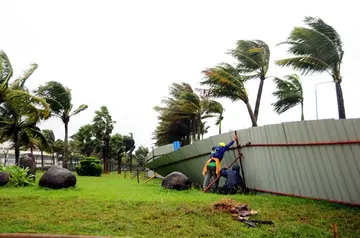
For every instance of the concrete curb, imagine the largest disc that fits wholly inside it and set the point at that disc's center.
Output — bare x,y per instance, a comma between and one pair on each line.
11,235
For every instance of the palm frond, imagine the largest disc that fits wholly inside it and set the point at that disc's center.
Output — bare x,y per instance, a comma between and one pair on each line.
319,25
225,82
26,104
19,82
253,56
79,109
58,96
6,70
305,64
317,48
288,93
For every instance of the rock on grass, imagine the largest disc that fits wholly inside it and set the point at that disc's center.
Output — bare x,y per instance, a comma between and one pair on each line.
57,177
176,180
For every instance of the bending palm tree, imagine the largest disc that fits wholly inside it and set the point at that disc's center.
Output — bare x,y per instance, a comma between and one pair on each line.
59,99
19,114
85,140
103,127
185,104
289,94
225,82
216,107
253,57
317,49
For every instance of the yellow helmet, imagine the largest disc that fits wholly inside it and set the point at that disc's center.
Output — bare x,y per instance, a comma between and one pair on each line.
222,144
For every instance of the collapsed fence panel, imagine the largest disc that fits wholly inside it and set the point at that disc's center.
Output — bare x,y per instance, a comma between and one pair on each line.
317,159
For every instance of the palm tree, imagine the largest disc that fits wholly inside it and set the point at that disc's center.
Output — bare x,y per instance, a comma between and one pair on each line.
216,107
16,88
253,62
20,127
169,130
289,93
19,110
103,126
116,144
6,73
140,156
317,49
226,82
85,140
59,99
184,103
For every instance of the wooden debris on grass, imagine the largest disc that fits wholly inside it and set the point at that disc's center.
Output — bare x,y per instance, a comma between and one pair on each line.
239,211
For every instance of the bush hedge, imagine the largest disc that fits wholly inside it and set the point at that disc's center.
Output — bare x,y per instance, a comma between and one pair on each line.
89,167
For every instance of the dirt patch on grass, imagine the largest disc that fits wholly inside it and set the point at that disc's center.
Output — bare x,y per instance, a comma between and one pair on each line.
226,205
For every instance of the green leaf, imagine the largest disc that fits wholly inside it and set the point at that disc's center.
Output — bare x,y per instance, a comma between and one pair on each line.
79,109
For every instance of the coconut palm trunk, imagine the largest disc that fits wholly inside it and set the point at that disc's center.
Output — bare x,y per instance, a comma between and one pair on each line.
251,114
302,111
193,130
340,100
16,147
66,124
42,158
198,121
258,98
119,164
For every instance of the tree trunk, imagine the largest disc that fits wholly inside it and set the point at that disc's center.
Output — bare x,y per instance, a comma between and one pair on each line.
119,164
42,159
302,111
65,145
130,161
31,150
340,100
220,127
16,147
193,129
53,158
258,98
251,114
199,128
105,161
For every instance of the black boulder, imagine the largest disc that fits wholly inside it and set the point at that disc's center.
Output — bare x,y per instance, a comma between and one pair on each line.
57,177
4,178
176,180
26,161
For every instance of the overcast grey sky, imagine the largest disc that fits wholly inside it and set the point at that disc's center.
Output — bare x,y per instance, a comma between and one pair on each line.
125,54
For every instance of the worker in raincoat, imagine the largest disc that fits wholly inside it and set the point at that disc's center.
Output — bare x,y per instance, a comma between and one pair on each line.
233,179
212,166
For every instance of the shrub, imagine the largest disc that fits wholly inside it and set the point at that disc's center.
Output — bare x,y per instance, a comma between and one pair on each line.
89,167
19,177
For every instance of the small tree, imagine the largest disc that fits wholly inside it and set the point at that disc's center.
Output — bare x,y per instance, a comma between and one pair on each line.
289,94
103,126
59,98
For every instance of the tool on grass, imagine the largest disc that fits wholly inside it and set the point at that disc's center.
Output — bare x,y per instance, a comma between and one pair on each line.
336,235
151,178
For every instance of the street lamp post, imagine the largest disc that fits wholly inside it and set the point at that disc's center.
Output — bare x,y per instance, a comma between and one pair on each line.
316,104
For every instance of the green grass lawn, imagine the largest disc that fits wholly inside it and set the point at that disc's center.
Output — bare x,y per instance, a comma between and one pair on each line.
114,206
